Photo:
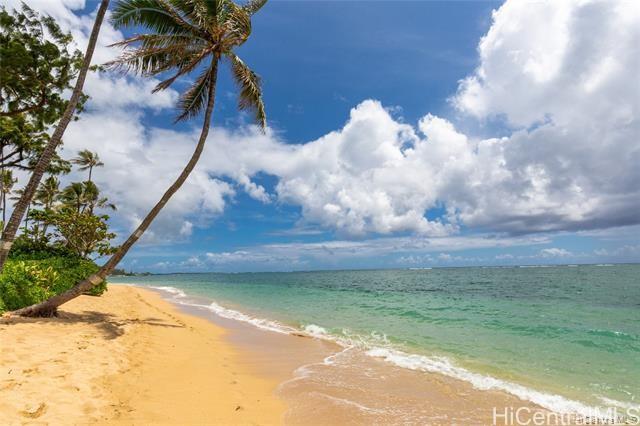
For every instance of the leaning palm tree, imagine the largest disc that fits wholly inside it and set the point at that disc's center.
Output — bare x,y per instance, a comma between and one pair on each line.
23,204
87,160
184,37
6,186
18,194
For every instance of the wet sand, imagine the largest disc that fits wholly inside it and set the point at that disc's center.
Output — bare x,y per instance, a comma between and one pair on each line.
323,383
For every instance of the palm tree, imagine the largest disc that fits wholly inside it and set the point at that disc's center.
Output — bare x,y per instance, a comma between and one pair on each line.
87,160
46,196
91,198
19,193
73,196
48,192
9,233
6,186
184,36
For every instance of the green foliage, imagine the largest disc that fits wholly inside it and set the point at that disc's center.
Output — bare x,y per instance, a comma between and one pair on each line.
25,282
38,65
82,232
67,225
25,248
183,37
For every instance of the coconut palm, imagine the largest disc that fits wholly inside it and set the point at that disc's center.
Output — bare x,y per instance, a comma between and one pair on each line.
18,194
84,197
183,37
73,196
93,200
46,196
6,186
87,160
23,204
48,192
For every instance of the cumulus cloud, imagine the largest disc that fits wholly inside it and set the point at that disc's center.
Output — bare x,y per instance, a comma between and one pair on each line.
564,76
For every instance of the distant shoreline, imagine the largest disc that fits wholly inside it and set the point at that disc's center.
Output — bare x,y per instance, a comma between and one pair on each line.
418,268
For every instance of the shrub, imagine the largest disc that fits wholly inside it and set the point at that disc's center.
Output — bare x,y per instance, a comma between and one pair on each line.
25,282
72,270
24,248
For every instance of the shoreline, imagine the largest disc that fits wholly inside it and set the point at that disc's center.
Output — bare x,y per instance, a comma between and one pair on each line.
134,356
318,379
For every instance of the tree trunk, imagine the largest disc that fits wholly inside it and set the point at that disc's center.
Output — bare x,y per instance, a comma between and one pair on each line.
9,233
26,220
90,170
49,307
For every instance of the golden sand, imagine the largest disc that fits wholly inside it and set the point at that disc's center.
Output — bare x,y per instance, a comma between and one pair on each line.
127,357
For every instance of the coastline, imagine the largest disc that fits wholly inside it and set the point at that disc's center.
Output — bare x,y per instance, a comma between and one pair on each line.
128,357
134,357
322,382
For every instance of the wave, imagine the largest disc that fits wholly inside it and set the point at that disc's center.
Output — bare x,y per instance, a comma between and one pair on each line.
227,313
444,366
377,346
176,292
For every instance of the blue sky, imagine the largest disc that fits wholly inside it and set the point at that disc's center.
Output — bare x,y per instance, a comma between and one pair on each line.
405,87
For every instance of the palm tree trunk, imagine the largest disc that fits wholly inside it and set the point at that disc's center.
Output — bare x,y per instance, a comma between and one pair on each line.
10,230
26,219
49,307
90,170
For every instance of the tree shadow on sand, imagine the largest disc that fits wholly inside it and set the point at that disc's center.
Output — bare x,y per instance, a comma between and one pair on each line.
109,325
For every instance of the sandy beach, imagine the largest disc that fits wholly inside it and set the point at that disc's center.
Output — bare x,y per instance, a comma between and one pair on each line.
127,357
130,357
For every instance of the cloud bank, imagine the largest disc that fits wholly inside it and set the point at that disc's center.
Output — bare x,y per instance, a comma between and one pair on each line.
561,77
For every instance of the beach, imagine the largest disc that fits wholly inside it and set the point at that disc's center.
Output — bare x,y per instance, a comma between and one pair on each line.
130,357
153,353
127,357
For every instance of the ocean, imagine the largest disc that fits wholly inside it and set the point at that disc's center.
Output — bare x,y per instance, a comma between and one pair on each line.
564,337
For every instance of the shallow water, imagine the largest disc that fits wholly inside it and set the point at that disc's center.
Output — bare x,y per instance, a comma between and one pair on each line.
562,337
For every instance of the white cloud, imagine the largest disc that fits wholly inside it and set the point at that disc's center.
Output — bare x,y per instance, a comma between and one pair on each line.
625,252
563,75
409,250
555,252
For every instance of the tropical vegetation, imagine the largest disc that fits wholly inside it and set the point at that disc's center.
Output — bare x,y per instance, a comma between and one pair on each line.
177,40
29,89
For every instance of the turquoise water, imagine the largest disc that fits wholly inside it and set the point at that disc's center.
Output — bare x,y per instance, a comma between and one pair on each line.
555,335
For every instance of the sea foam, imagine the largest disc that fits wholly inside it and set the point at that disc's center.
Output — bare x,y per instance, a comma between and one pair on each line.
431,364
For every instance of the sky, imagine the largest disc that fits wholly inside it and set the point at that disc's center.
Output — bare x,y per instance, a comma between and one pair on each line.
400,135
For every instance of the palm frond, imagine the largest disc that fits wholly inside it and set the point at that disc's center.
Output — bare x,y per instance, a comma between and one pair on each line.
237,24
194,99
155,14
200,12
252,6
183,69
155,60
250,97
